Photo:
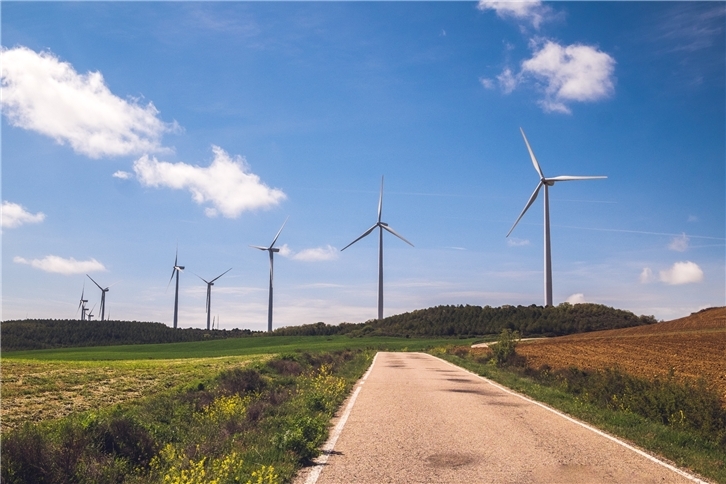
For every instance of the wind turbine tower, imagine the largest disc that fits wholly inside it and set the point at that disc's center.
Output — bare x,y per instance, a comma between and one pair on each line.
209,294
103,297
546,183
82,304
175,271
381,227
271,250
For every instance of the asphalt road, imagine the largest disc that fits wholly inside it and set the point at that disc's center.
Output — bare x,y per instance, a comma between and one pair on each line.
418,419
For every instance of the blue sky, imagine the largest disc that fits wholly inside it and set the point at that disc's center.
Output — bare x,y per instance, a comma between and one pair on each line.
129,128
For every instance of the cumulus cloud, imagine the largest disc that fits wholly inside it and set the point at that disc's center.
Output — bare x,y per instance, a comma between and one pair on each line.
529,11
227,184
515,242
682,273
59,265
311,255
44,94
486,83
124,175
679,243
507,81
578,298
570,73
14,215
646,276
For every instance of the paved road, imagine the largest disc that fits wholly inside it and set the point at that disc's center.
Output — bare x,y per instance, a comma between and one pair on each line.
418,419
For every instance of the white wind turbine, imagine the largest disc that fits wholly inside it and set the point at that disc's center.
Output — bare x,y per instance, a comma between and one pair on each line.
175,271
381,227
271,250
546,183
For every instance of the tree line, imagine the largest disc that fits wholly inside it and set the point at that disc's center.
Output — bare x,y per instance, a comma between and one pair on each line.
35,334
472,321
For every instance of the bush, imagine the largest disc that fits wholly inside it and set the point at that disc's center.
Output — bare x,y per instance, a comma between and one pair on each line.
504,350
240,381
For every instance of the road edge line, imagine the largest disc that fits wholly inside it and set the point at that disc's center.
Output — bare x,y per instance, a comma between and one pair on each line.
329,445
582,424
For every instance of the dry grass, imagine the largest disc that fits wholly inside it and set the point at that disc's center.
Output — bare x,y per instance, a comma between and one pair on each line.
690,348
35,390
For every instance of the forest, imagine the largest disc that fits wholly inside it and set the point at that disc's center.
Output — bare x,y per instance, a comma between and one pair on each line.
472,321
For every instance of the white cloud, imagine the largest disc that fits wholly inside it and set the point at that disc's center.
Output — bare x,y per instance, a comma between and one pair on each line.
53,263
682,273
43,94
226,184
578,298
310,255
486,83
124,175
679,243
530,11
646,276
14,215
692,218
507,81
515,242
568,73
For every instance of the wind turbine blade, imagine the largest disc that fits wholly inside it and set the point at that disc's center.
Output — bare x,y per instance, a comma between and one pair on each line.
221,275
380,201
356,240
389,229
278,233
258,247
200,277
91,278
529,204
531,154
172,277
176,256
571,178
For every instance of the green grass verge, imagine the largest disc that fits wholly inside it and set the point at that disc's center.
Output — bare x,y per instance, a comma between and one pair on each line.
684,448
256,345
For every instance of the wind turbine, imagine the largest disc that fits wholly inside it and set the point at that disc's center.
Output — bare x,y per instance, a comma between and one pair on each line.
546,183
381,226
209,293
103,296
176,270
271,250
90,313
82,304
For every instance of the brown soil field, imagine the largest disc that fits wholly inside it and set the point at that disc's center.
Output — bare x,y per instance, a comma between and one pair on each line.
691,348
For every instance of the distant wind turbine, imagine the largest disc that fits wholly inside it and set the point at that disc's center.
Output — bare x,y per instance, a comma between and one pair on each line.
381,226
271,250
209,293
546,183
90,313
176,270
103,296
82,304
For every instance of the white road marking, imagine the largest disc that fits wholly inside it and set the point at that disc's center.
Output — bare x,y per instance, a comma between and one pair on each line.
582,424
330,444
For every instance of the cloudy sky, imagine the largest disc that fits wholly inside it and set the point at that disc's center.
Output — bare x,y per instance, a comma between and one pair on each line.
129,129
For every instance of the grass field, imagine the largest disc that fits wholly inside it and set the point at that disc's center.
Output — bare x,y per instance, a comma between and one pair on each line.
49,384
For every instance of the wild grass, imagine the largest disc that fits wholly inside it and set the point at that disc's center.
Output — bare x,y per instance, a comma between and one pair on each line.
682,423
256,422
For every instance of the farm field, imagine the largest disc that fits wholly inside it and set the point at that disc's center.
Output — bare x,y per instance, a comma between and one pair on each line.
690,348
49,384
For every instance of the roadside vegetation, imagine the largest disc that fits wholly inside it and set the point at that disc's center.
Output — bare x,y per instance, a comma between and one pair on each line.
251,422
680,420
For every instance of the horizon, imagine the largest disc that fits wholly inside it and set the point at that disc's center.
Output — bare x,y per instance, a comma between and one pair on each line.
131,129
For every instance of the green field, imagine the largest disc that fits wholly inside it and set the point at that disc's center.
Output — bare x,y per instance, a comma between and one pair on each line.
256,345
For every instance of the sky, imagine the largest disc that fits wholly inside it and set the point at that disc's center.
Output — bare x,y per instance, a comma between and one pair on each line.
133,130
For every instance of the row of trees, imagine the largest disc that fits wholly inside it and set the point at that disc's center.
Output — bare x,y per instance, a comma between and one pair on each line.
34,334
478,321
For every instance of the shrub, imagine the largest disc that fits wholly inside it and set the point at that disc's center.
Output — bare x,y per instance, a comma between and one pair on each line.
241,381
503,351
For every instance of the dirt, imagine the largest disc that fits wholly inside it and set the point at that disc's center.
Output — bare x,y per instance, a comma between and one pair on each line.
690,348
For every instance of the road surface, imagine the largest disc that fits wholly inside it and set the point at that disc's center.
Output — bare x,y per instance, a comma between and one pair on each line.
419,419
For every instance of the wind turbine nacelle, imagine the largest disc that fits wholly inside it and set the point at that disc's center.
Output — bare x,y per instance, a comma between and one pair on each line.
383,223
274,249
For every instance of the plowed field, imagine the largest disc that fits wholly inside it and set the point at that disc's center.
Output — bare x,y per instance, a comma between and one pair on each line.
692,348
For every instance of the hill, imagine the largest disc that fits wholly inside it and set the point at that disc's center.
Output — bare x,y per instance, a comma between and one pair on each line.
472,321
690,348
35,334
